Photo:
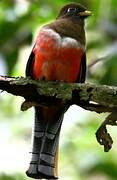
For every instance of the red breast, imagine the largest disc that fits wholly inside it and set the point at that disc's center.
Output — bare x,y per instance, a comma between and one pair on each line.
56,57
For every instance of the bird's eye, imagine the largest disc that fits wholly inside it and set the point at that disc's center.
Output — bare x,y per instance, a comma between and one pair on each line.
71,10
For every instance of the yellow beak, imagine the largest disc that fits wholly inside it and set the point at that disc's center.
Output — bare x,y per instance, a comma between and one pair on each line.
85,13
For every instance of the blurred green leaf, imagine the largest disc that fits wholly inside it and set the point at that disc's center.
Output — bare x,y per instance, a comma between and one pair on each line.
12,177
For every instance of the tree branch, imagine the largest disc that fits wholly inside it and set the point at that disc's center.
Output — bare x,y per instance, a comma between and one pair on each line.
98,98
71,93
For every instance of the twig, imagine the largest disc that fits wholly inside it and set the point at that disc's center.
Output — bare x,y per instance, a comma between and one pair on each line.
109,52
95,61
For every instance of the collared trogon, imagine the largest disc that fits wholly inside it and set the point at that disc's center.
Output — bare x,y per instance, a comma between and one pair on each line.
59,54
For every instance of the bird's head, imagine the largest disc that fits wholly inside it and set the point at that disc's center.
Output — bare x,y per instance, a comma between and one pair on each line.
74,11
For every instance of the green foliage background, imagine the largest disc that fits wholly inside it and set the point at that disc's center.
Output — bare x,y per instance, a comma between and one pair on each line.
81,157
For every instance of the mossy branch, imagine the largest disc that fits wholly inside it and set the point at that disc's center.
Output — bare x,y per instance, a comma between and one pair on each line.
98,98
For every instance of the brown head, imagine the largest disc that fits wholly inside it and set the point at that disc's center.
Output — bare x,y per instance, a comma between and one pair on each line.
74,11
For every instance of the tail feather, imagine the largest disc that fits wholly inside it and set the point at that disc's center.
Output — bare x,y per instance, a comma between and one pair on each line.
45,146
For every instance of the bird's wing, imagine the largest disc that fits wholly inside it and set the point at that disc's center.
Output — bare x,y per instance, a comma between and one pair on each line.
29,66
82,75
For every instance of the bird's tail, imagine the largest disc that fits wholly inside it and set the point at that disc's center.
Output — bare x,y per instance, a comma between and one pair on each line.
44,159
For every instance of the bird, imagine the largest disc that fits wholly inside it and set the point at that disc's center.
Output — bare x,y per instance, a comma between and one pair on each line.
58,54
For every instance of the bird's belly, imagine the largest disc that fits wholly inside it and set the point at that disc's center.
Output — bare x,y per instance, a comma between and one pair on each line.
57,58
64,67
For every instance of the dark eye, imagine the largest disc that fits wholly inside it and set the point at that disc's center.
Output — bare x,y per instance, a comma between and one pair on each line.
71,10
